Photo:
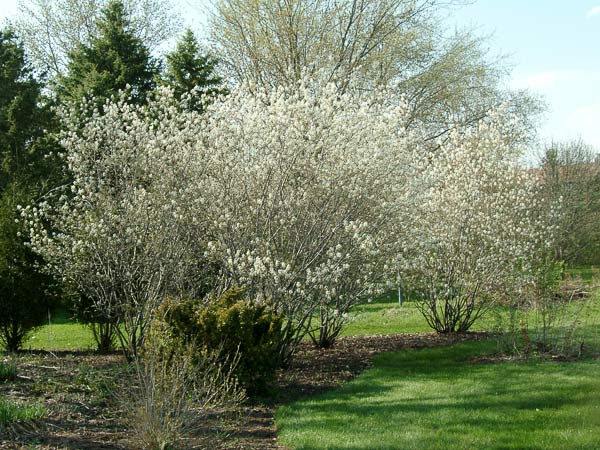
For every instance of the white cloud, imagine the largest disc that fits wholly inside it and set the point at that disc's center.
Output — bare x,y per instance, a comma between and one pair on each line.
593,12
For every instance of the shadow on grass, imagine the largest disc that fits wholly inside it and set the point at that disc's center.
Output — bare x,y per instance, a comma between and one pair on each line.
436,398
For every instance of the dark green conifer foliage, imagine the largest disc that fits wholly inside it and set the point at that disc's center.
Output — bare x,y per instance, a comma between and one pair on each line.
113,61
27,167
188,67
25,117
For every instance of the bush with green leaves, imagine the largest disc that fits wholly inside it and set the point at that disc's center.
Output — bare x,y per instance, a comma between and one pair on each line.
173,389
28,168
24,289
227,326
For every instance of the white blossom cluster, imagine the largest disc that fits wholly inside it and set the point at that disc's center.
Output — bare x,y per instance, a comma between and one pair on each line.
303,188
290,192
123,233
478,224
308,198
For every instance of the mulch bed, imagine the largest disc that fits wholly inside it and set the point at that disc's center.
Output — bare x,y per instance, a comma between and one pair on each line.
84,416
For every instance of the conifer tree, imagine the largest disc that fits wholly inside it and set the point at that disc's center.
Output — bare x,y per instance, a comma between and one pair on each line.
114,60
188,68
26,168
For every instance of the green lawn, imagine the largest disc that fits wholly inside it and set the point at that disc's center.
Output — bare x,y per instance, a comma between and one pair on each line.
384,315
61,334
442,399
439,399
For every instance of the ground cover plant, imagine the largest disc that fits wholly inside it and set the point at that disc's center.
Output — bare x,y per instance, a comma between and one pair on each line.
8,372
13,414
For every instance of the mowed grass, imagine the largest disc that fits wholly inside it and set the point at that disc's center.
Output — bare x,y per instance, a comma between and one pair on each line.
445,398
384,315
456,397
62,333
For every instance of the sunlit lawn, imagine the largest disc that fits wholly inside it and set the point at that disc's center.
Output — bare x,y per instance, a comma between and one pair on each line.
384,315
451,398
439,399
61,334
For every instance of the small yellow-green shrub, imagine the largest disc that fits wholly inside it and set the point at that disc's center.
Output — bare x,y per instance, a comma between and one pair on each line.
235,328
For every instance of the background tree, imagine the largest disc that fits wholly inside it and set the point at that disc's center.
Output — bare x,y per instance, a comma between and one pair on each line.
27,168
570,173
25,291
114,60
25,116
365,44
52,29
188,68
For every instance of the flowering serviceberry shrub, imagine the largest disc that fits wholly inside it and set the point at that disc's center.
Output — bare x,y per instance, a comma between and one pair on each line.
300,198
123,232
478,231
290,193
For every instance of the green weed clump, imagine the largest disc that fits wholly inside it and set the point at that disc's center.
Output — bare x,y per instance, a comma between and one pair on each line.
8,372
18,413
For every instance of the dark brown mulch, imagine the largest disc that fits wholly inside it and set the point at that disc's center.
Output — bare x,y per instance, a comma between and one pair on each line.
84,414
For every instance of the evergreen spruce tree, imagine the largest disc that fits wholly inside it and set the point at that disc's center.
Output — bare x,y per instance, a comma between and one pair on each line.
115,60
188,68
26,169
25,116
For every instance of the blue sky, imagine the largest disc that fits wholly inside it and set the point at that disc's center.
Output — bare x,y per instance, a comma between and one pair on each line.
552,46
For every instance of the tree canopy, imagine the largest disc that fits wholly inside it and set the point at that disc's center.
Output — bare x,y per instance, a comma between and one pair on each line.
52,29
26,167
570,174
24,116
366,44
116,59
188,68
